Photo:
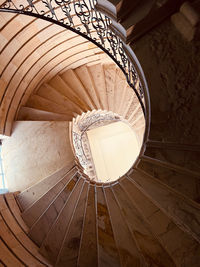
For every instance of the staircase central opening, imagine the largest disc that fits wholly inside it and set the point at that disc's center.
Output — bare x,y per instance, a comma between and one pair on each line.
105,145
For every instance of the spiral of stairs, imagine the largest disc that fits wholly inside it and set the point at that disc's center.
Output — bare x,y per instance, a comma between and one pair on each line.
148,217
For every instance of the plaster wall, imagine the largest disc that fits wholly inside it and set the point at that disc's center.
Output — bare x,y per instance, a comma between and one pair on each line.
114,149
35,150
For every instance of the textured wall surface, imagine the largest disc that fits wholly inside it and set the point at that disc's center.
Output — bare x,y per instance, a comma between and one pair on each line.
172,69
35,150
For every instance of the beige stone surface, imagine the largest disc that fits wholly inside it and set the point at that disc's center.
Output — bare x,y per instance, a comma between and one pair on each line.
190,13
183,26
35,150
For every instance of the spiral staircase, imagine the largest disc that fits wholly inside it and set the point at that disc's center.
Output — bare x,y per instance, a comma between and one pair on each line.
52,77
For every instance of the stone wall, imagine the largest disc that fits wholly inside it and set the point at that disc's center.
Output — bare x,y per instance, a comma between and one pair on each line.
172,68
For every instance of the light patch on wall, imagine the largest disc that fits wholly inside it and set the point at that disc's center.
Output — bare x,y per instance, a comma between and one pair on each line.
3,184
114,149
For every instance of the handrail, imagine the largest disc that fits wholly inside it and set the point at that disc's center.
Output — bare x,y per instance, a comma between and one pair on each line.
94,27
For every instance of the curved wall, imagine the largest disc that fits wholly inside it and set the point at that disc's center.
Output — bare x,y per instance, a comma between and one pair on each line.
36,150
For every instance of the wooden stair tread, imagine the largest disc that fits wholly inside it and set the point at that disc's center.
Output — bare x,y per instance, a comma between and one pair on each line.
41,103
18,233
89,232
14,208
86,80
166,229
30,195
108,252
98,79
42,226
31,214
76,85
173,178
68,254
53,242
32,114
109,74
127,247
148,244
15,246
8,258
48,92
169,201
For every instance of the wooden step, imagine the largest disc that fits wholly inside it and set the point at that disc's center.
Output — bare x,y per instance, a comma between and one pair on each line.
48,92
14,208
38,102
185,156
32,194
25,72
7,257
128,96
178,207
98,79
120,87
32,114
63,88
136,115
18,233
42,226
89,233
33,212
5,17
149,246
172,146
132,105
85,77
127,247
53,242
16,247
109,74
68,254
8,34
167,164
172,238
77,86
186,185
108,252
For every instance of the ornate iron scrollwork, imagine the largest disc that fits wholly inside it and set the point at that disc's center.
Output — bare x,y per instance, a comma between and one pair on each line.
80,140
93,25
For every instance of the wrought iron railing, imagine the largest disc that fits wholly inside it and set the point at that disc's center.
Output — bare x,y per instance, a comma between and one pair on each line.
81,17
84,125
80,140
